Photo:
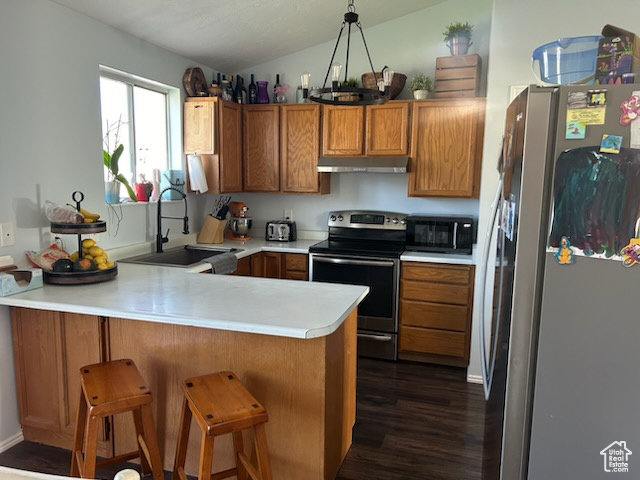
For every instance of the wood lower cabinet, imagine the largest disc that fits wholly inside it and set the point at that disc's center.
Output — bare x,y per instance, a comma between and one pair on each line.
290,266
436,303
296,266
213,130
446,147
49,349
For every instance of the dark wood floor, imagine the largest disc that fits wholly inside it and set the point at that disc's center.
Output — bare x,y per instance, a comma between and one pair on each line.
414,422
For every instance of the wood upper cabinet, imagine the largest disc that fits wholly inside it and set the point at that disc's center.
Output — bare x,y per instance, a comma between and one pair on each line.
342,130
199,126
387,128
371,130
49,349
213,130
281,146
261,148
436,303
299,149
446,147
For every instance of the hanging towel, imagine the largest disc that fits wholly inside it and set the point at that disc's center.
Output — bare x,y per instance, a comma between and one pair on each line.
223,264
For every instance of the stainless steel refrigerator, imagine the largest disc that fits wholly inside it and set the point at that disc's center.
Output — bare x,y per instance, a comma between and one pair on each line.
562,332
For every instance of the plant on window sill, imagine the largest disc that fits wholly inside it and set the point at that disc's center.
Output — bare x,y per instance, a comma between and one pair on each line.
111,161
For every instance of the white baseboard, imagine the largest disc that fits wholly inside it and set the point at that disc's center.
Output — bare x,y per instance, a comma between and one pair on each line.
7,443
474,379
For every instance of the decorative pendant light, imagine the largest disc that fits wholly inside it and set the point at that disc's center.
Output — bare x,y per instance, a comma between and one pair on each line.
364,96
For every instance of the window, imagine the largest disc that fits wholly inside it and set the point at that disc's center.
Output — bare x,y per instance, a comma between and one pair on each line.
140,114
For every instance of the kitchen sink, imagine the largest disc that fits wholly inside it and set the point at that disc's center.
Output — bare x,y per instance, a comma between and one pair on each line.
186,256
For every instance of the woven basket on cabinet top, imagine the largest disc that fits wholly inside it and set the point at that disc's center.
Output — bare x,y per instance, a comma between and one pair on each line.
397,82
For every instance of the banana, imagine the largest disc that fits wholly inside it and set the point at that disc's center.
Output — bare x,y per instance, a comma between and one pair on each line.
88,214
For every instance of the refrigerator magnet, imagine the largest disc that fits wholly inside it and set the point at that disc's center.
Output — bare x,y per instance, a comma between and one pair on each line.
631,253
575,131
610,143
564,255
630,110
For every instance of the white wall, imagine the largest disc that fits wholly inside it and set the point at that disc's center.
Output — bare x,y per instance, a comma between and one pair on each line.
517,28
50,133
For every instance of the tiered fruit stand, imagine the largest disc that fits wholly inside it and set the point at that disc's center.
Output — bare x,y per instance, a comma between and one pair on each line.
79,229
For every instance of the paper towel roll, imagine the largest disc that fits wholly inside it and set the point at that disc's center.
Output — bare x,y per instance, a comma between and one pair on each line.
197,178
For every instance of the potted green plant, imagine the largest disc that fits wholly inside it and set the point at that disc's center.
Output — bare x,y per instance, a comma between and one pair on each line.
349,97
457,37
111,159
421,85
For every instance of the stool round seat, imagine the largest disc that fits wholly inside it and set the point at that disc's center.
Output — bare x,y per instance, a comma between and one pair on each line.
220,404
111,388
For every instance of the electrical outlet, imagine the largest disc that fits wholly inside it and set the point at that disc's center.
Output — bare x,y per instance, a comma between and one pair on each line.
7,234
288,214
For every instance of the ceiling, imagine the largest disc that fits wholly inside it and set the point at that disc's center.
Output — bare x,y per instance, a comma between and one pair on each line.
232,35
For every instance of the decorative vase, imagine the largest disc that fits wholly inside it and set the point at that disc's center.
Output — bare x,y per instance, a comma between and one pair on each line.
459,44
263,95
420,94
142,192
112,192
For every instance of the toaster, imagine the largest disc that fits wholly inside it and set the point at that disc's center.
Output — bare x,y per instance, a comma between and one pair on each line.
281,231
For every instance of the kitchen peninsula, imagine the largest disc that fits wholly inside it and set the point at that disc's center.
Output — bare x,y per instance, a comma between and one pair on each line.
292,344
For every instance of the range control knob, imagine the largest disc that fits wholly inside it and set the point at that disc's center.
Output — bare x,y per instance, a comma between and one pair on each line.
403,221
332,218
387,219
340,218
395,220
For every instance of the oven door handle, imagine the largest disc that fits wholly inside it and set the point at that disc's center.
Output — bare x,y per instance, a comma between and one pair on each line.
378,338
345,261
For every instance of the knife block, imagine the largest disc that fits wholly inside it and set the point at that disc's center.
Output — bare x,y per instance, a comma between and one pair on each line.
212,230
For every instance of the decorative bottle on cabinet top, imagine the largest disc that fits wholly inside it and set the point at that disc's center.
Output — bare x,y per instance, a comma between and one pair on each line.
252,96
262,95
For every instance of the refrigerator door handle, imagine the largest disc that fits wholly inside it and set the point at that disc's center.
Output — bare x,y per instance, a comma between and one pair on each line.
487,372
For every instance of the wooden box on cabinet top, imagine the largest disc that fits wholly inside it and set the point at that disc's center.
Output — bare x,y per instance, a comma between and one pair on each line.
435,312
213,130
446,148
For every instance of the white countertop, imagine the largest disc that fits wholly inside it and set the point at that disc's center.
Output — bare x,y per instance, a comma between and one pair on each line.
450,258
288,308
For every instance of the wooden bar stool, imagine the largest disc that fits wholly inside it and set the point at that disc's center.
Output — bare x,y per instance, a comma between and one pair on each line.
110,388
220,405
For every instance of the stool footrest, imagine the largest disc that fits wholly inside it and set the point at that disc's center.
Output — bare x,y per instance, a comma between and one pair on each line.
224,474
117,459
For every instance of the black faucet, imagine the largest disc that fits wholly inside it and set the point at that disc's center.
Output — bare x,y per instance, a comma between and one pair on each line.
185,225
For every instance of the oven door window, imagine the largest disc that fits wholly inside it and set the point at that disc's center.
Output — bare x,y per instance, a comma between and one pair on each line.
378,275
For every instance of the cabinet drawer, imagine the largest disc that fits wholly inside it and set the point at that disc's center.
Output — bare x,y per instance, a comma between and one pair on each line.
433,315
434,292
441,273
425,340
295,275
295,261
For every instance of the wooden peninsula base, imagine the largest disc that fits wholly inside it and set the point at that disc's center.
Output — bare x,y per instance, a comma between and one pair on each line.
306,385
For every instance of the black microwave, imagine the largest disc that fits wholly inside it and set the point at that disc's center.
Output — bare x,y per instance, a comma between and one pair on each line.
440,234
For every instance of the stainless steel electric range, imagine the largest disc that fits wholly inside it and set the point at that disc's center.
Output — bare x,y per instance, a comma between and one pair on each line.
364,248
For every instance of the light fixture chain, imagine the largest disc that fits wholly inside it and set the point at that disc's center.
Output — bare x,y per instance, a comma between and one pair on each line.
346,66
373,71
324,84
